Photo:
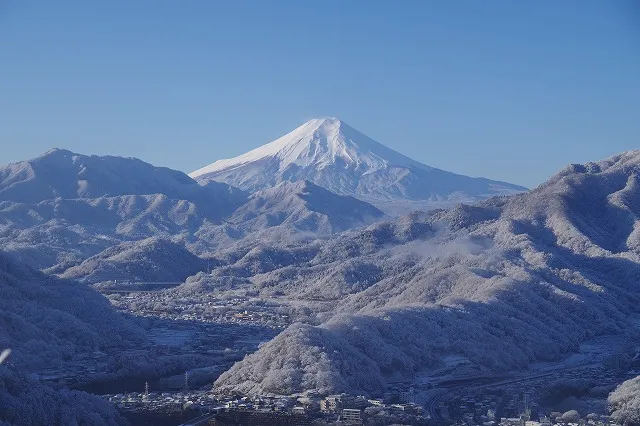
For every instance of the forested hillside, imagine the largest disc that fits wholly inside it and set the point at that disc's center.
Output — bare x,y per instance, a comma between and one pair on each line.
502,284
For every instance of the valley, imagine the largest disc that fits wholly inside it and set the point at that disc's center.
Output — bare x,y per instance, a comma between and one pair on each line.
327,213
451,394
167,298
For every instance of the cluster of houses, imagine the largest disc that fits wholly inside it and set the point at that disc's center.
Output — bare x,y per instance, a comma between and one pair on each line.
354,409
166,402
341,409
204,308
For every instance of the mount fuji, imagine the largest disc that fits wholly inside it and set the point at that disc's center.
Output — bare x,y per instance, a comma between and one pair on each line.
330,153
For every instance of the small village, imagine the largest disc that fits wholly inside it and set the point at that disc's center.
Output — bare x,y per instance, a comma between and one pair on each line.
204,308
238,325
512,403
333,409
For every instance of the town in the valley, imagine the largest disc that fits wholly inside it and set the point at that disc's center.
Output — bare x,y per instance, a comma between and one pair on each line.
225,330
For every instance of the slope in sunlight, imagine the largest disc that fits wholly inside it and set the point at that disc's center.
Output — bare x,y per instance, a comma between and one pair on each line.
502,284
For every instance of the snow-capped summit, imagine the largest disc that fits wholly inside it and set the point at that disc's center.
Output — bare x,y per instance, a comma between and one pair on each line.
332,154
319,143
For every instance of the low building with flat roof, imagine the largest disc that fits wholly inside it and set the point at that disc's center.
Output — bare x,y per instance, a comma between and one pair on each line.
352,415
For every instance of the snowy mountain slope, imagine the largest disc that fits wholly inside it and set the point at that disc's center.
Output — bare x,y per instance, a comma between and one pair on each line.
149,260
304,206
52,225
44,321
28,401
61,207
319,142
289,213
504,283
331,154
70,230
63,174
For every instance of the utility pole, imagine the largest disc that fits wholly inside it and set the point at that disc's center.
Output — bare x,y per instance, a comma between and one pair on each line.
186,380
146,390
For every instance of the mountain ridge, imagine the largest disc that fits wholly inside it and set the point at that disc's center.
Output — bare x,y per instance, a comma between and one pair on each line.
330,153
62,173
336,135
61,208
298,201
503,283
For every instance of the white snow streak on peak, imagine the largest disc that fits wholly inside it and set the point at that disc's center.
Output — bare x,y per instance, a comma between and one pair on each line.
319,143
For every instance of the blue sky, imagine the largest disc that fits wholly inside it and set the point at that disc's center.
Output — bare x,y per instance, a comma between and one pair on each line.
510,90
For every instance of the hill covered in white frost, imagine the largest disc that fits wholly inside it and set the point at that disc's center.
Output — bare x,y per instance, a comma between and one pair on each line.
149,260
502,284
59,173
304,207
65,213
27,401
332,154
61,208
44,321
624,402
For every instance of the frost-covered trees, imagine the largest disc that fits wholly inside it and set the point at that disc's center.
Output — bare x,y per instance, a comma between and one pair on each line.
571,416
624,402
44,320
25,401
502,284
152,259
300,358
